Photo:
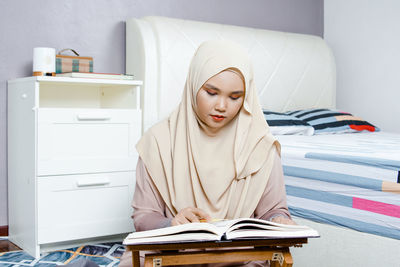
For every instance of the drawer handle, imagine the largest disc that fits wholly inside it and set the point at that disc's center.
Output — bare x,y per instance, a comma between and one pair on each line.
93,117
84,183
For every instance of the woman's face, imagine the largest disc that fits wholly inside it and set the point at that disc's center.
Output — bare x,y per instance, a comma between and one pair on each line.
220,99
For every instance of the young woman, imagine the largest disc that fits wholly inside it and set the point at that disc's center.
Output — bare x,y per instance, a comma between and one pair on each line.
213,157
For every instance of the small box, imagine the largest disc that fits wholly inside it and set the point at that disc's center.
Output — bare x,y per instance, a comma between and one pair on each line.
76,63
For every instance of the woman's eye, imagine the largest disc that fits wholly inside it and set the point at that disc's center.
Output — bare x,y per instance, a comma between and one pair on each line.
211,92
235,97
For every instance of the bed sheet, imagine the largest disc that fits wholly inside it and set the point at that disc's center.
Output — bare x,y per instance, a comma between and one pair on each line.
379,149
349,180
369,155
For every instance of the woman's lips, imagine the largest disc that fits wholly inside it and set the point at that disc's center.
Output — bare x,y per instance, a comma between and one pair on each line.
217,118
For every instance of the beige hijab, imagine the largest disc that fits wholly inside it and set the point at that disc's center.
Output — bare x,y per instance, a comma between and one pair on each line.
224,174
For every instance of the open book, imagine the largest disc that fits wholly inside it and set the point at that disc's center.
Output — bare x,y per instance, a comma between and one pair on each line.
242,228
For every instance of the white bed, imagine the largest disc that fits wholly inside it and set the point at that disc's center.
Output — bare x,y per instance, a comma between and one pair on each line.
292,71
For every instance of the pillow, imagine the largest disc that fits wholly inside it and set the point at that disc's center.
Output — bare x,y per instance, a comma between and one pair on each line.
327,121
281,124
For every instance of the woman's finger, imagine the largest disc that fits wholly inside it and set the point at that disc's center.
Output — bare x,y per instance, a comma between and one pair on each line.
191,216
283,220
183,219
201,214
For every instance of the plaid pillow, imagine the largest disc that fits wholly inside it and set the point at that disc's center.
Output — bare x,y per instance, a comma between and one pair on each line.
327,121
284,124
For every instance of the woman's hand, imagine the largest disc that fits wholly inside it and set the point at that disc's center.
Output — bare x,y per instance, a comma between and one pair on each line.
189,215
283,220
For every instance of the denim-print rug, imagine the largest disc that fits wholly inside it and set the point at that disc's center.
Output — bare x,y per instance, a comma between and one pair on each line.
104,254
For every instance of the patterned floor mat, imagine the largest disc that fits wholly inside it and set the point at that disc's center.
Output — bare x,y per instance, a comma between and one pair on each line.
105,255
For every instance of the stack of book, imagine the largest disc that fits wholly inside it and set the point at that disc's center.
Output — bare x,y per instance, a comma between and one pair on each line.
95,75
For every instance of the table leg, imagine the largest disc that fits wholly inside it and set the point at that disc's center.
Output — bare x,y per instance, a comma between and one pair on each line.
274,263
135,258
288,260
282,258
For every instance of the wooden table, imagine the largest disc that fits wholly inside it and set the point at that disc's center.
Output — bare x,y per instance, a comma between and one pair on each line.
275,250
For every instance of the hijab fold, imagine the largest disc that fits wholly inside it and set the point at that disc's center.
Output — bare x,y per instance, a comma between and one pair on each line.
224,174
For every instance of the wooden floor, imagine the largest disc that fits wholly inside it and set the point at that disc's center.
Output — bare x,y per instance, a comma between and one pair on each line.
6,246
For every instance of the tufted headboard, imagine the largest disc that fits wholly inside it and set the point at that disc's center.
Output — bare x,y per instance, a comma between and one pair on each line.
292,71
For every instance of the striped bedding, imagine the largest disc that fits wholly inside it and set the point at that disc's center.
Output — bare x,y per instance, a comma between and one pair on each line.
350,180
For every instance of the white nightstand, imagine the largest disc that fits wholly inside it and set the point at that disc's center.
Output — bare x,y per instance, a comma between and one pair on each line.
71,160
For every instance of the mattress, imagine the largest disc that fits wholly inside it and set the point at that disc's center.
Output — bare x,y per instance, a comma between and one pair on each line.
350,180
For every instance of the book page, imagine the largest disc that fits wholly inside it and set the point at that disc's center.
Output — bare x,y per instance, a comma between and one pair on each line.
257,228
265,234
178,229
176,238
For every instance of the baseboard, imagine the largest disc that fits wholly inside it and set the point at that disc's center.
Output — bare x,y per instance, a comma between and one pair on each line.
4,230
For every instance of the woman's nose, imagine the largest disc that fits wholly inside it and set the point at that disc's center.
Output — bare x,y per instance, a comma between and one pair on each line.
221,104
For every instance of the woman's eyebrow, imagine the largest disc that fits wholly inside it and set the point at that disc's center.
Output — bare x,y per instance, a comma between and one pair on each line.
210,86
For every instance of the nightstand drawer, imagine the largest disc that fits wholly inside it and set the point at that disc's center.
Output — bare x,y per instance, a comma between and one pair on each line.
84,206
74,141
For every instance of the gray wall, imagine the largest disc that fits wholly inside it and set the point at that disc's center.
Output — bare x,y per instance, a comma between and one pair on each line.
365,39
97,28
